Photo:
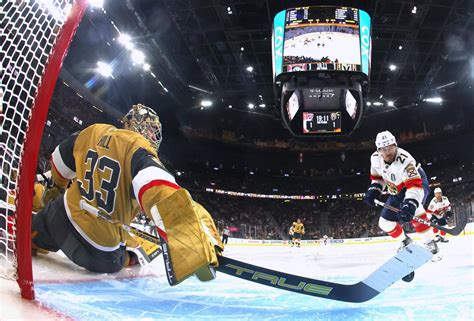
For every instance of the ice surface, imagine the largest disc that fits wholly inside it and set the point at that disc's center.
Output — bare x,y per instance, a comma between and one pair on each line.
442,290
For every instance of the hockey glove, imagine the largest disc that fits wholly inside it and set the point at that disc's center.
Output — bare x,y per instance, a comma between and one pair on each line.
407,209
449,213
374,191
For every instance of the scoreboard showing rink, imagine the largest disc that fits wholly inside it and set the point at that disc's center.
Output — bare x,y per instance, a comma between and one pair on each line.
322,38
321,67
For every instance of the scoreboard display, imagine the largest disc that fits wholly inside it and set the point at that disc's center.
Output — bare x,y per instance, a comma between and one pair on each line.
308,15
321,38
321,68
322,122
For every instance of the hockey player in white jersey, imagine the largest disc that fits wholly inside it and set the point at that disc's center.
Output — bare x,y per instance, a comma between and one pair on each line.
440,211
395,169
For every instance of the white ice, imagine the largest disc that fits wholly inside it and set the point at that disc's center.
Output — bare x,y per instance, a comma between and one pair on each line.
337,45
441,290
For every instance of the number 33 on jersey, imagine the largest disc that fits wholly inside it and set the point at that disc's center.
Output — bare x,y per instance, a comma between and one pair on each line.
110,168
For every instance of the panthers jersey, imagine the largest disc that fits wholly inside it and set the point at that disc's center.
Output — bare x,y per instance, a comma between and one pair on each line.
439,208
400,174
110,169
298,227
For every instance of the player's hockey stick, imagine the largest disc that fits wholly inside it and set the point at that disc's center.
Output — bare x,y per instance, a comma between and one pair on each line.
456,230
145,252
403,263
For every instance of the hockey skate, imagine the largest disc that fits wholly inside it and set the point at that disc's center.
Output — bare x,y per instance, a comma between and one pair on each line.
441,239
407,241
433,247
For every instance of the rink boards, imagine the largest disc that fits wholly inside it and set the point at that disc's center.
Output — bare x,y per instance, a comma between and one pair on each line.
469,230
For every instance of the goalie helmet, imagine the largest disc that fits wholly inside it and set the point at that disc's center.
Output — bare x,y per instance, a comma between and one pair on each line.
143,120
385,139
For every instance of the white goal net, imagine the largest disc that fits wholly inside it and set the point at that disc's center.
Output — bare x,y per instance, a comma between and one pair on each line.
34,36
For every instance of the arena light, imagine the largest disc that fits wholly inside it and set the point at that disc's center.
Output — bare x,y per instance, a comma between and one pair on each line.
251,106
249,68
138,57
390,103
378,103
230,106
413,10
242,48
126,41
434,100
97,3
262,105
368,103
54,10
400,47
146,66
104,69
206,103
392,67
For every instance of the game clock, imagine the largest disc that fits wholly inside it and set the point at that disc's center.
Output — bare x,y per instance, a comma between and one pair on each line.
322,122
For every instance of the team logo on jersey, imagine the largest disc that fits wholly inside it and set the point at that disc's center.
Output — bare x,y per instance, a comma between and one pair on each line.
411,171
392,188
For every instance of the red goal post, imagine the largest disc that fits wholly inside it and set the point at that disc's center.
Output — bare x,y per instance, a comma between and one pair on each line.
34,38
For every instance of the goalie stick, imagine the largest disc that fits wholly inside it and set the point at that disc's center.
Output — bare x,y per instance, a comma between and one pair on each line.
148,250
456,230
404,262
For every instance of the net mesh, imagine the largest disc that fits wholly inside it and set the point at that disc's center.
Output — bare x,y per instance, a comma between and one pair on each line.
28,33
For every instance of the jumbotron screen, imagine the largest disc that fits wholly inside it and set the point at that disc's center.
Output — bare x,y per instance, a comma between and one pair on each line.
321,38
322,122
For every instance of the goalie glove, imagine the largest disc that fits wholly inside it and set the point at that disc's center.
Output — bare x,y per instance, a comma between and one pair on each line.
144,250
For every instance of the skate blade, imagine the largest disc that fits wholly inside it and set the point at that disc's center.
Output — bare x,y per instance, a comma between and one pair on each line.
436,258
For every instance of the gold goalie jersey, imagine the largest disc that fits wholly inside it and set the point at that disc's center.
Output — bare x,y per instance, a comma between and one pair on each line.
298,227
110,169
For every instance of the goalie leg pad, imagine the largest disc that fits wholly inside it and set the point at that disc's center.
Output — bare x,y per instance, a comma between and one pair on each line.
190,245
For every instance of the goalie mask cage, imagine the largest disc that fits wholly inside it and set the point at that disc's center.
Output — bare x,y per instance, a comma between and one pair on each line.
34,37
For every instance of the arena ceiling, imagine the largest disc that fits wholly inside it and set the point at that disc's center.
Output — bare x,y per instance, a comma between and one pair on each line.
201,49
